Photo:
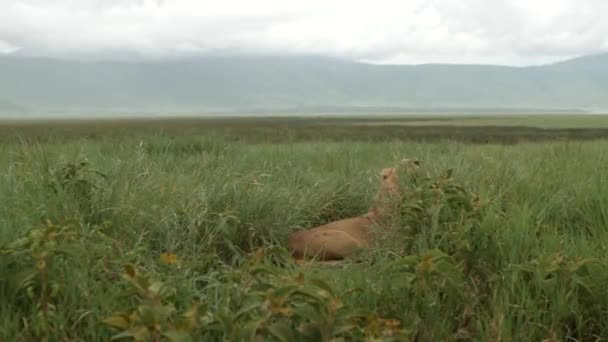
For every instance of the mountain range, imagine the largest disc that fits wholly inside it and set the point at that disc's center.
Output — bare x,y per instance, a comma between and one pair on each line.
295,83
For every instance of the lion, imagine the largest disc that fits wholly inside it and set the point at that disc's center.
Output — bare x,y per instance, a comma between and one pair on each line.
339,239
331,241
385,201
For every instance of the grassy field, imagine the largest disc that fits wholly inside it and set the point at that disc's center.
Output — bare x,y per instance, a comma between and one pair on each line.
175,230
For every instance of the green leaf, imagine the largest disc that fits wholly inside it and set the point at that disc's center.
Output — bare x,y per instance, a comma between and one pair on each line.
21,279
309,293
282,331
285,291
307,312
265,269
323,285
584,282
124,334
246,310
117,321
178,336
410,260
151,315
191,317
17,245
249,331
130,272
337,339
527,267
574,267
345,328
136,333
156,288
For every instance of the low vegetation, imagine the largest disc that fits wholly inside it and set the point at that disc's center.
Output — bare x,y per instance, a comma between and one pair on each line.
152,235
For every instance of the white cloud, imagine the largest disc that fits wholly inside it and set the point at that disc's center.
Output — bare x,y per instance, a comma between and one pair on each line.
394,31
7,48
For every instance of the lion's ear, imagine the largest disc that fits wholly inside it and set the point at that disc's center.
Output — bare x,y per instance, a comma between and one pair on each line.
417,162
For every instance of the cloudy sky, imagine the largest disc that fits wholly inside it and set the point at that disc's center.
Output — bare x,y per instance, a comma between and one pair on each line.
513,32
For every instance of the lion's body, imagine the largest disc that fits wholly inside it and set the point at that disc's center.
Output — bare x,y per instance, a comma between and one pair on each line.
332,241
339,239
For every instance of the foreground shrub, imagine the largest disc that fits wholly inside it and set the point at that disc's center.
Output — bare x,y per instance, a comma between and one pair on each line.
259,300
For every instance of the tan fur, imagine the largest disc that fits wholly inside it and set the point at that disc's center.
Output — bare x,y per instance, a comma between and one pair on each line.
386,200
339,239
331,241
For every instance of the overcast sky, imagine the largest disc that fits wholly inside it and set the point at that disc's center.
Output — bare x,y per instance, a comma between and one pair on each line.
514,32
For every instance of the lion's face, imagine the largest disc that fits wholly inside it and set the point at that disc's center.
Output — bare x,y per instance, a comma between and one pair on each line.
408,169
390,175
390,179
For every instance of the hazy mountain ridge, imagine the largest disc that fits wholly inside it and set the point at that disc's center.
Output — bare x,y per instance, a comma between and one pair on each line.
241,82
6,106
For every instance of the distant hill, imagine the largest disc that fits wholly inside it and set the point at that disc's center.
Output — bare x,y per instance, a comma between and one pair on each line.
8,107
263,82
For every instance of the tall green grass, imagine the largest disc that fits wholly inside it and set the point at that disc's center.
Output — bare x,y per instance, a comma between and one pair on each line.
166,237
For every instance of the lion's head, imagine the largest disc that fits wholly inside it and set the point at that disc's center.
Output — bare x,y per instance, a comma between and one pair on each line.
390,176
389,179
391,188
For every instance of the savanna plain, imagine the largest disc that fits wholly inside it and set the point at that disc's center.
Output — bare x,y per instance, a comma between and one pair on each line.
175,230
